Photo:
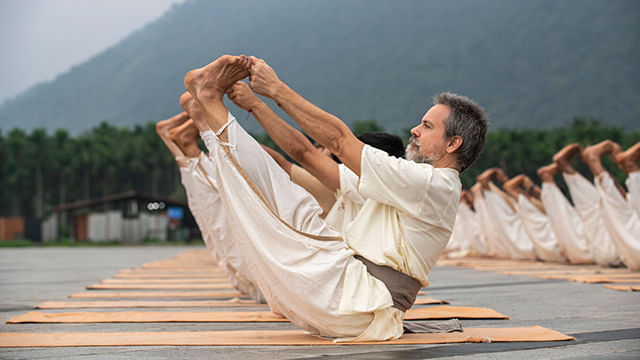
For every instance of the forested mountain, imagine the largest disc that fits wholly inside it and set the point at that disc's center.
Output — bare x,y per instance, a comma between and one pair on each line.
532,63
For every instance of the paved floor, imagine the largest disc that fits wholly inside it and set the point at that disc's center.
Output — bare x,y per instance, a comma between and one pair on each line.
605,322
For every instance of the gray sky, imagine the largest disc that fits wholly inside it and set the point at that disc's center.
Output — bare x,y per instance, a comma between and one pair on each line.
43,38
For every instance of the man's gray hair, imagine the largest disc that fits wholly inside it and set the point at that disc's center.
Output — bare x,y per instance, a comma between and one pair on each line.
467,120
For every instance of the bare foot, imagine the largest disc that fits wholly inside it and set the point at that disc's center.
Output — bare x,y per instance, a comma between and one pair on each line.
164,127
547,172
562,158
628,160
213,81
193,108
186,136
596,151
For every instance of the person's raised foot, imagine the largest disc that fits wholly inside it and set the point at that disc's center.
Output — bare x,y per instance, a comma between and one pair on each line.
567,153
594,152
212,81
186,136
192,107
628,159
163,127
547,172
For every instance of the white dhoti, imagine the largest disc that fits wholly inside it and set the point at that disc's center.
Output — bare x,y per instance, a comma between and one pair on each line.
303,269
586,201
509,229
633,185
490,237
622,221
536,223
206,206
566,224
465,236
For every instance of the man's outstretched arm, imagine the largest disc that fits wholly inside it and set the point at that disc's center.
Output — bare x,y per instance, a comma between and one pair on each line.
323,127
290,140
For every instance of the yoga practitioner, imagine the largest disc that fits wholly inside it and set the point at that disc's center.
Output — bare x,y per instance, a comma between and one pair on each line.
534,218
619,218
357,285
586,201
563,219
628,161
465,234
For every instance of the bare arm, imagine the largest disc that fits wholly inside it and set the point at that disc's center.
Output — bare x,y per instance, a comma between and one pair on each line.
323,127
290,140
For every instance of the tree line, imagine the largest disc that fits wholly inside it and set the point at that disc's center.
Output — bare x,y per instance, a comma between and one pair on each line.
39,170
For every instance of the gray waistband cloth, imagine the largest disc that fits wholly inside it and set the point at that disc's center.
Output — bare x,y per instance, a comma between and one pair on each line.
432,326
403,288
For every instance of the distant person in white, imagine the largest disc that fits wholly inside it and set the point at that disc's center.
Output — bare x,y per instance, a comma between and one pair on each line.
532,213
563,219
304,268
181,138
628,162
465,237
586,201
620,219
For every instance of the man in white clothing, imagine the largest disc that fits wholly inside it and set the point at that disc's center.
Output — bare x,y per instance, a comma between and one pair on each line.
586,201
318,279
563,218
628,161
619,218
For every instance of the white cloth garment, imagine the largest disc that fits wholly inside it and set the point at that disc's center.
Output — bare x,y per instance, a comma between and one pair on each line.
200,185
633,185
536,223
348,201
509,229
489,234
622,221
317,283
586,201
566,225
465,237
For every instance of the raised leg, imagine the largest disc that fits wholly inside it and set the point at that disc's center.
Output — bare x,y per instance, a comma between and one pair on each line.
186,137
547,172
163,129
562,158
628,160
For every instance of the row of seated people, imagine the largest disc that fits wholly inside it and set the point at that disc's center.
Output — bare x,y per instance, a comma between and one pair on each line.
601,224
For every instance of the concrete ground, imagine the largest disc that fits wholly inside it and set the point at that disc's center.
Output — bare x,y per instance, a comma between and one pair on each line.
605,322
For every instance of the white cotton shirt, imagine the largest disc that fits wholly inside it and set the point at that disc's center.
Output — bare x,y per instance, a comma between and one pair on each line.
566,224
348,201
586,201
537,225
409,213
633,185
622,221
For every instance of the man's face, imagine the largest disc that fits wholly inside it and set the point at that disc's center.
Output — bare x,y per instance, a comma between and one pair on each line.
428,143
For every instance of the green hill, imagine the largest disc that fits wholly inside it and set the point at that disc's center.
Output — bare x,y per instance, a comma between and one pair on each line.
529,63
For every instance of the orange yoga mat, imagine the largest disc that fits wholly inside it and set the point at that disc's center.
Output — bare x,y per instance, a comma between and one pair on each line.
158,286
635,287
165,281
156,294
436,312
176,303
145,304
595,279
267,337
145,276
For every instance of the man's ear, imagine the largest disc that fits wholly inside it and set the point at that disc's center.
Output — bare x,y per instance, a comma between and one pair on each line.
454,143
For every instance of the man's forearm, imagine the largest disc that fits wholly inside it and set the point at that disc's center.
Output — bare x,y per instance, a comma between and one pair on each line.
323,127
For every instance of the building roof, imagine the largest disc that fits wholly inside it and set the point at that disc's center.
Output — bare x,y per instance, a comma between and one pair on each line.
117,197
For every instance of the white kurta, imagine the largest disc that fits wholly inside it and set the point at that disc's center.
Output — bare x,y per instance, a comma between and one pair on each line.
537,225
465,237
490,235
566,225
213,224
348,201
317,283
633,185
622,221
586,201
510,232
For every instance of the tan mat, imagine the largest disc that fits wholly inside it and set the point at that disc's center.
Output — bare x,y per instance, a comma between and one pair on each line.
267,337
164,281
177,303
145,304
158,286
596,279
623,287
156,294
146,276
437,312
170,271
197,294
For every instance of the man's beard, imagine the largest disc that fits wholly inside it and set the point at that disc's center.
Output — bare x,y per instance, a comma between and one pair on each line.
413,153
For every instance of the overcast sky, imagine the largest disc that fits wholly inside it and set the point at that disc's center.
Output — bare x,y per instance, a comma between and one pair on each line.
40,39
